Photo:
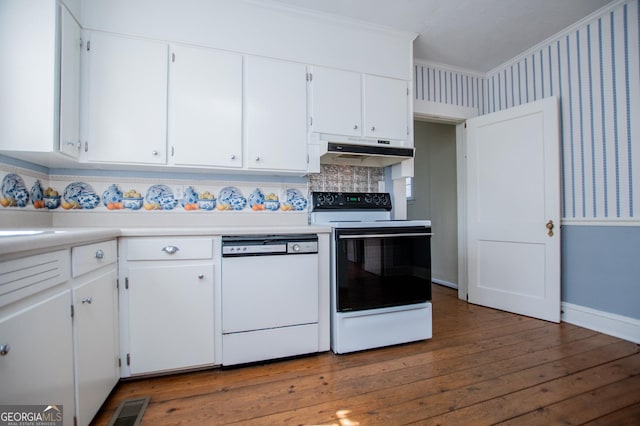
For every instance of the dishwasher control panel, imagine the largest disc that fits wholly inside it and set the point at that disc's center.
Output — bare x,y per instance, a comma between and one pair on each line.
262,245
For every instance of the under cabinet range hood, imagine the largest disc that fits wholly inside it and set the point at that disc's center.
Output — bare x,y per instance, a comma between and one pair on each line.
371,154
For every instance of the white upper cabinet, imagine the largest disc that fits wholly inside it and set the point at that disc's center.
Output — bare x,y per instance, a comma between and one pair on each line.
205,107
386,108
127,100
28,75
336,102
360,105
276,112
70,47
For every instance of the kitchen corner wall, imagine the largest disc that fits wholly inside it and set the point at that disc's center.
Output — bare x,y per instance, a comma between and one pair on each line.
593,67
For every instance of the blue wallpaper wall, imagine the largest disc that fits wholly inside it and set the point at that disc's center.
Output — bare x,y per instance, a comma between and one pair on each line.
441,85
594,69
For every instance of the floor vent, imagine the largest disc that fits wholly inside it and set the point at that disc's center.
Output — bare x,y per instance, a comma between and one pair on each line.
130,412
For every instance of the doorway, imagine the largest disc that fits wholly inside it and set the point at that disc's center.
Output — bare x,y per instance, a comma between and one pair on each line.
435,195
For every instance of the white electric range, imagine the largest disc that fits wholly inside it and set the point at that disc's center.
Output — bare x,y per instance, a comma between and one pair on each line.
380,271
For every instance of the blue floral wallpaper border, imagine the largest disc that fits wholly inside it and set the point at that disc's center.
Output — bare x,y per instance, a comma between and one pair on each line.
14,193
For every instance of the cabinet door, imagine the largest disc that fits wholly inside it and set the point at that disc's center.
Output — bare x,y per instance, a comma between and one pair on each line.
336,102
38,369
170,317
385,107
96,342
27,83
127,100
69,84
276,114
205,107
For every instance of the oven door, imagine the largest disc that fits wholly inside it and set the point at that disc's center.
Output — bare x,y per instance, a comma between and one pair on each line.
382,267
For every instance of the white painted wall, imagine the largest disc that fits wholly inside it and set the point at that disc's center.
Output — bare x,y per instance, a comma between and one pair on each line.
255,28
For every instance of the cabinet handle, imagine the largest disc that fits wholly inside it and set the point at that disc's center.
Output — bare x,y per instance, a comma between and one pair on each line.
257,158
233,156
87,300
99,254
154,152
170,249
4,349
373,128
355,127
200,276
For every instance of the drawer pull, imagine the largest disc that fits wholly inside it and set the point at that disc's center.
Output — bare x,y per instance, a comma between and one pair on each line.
87,300
4,349
170,249
201,276
99,254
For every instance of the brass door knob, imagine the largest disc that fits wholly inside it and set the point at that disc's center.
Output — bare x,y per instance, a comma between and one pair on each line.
550,228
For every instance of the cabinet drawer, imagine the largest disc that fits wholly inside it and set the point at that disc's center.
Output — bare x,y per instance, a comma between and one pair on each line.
92,256
28,275
181,248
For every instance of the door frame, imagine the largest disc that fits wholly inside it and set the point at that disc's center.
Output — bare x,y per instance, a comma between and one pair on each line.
459,121
461,176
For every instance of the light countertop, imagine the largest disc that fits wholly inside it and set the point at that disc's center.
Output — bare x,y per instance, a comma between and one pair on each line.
14,241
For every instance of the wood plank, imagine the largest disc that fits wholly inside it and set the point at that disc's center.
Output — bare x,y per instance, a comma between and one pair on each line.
483,366
586,406
628,416
513,404
411,401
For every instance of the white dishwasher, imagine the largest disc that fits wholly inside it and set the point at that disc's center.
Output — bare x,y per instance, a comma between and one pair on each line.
269,297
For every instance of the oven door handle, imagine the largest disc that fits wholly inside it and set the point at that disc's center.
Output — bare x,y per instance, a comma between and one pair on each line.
407,234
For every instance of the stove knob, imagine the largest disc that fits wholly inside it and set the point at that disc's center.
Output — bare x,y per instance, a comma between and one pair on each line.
319,199
367,199
384,200
330,199
376,199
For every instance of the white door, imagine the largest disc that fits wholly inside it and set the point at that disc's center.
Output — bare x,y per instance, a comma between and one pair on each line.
38,368
336,102
385,107
127,100
276,115
284,293
96,342
205,107
513,195
170,317
69,84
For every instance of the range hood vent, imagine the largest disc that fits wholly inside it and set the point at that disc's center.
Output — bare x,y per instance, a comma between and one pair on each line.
363,155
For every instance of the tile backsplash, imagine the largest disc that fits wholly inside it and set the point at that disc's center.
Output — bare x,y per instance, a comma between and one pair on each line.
347,179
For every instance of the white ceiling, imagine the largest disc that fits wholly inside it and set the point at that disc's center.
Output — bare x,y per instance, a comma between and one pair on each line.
476,35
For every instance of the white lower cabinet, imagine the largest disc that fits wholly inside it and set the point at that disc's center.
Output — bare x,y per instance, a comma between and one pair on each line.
95,325
36,359
36,347
167,304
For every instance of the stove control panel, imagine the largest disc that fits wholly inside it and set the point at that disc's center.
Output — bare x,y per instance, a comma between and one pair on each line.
350,201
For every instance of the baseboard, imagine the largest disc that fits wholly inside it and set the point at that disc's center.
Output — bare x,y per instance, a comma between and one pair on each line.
444,283
615,325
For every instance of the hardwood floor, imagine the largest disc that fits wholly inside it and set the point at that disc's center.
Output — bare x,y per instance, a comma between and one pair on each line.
482,367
